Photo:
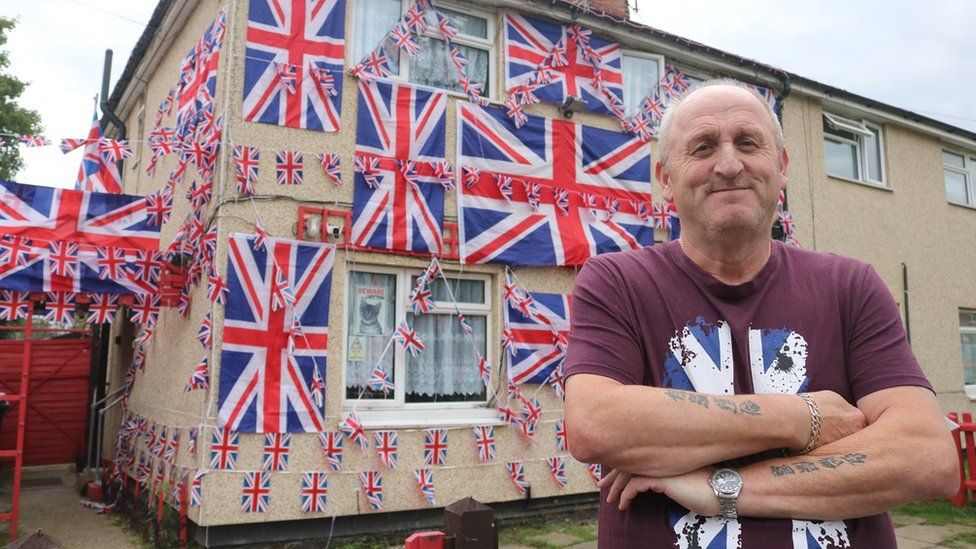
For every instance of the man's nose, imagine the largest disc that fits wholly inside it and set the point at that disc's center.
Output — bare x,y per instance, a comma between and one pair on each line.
727,162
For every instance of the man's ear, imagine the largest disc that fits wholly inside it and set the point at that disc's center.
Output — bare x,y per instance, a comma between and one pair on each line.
784,161
664,177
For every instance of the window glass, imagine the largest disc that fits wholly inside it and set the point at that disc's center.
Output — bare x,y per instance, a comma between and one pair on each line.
471,25
840,159
371,321
956,189
969,358
433,67
640,78
967,318
374,19
465,291
447,370
872,152
952,159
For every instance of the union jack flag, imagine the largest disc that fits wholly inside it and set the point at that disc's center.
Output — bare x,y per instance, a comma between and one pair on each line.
596,471
786,222
115,150
558,381
247,160
379,380
419,300
276,448
372,482
386,448
102,308
288,168
315,491
49,238
204,334
425,481
145,309
264,386
332,449
400,132
330,165
560,155
516,472
531,414
557,469
60,307
257,492
196,487
562,443
308,36
435,447
97,173
353,428
172,444
200,378
536,338
581,65
484,441
407,338
13,304
191,442
34,140
223,449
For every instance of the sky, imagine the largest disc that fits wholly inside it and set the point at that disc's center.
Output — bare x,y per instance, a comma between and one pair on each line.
909,54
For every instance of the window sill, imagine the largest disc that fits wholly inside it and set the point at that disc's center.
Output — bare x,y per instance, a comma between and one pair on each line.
420,419
970,391
968,207
878,186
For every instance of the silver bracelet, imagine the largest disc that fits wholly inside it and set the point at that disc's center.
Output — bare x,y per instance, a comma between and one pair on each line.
814,424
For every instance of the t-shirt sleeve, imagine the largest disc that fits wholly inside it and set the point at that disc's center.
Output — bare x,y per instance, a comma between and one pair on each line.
878,353
602,339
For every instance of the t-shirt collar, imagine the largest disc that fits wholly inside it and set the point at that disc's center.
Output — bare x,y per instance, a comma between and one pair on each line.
719,288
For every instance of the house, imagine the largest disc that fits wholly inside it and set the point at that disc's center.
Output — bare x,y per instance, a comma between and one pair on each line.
866,179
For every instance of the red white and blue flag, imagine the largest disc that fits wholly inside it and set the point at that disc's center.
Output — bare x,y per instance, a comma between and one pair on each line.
315,491
386,448
516,472
484,441
309,38
196,487
435,447
538,337
332,449
97,172
557,470
600,169
372,482
13,304
265,385
425,481
223,449
571,70
197,85
562,442
276,449
398,204
257,492
50,239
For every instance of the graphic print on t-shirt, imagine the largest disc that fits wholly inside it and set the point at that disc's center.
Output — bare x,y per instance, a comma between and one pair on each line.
700,359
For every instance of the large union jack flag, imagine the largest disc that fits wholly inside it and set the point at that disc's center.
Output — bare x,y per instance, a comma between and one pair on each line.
528,42
606,175
306,38
538,332
50,239
399,204
97,173
265,387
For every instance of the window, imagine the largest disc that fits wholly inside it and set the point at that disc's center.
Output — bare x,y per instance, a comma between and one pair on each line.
853,149
140,131
967,333
641,73
960,177
432,66
445,374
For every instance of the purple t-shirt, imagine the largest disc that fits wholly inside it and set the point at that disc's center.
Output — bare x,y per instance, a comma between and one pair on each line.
807,322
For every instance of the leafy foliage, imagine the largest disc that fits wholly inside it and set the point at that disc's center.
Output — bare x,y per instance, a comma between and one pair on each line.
14,119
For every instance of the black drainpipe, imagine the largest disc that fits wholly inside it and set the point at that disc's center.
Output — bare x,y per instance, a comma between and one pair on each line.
904,284
106,108
778,233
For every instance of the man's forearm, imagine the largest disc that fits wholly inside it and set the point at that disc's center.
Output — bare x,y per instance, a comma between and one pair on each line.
664,432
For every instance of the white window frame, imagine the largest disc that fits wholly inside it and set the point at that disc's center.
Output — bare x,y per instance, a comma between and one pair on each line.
861,129
968,171
433,31
396,412
643,55
140,132
969,388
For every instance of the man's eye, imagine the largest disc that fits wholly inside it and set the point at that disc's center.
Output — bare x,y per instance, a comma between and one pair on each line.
702,148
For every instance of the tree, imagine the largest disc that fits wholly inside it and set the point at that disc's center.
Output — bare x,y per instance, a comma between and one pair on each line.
14,119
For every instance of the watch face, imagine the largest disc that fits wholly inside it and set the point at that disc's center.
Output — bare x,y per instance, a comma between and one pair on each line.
726,481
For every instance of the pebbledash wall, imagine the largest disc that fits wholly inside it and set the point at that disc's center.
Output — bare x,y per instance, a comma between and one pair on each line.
909,221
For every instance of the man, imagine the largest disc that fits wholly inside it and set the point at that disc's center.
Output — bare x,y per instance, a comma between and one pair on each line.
740,392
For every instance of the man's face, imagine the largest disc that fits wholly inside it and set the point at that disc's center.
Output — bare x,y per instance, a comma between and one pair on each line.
725,172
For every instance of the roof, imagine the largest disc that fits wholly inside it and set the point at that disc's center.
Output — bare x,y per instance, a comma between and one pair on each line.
574,9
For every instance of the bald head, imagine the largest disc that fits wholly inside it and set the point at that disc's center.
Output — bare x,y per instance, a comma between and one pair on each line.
702,90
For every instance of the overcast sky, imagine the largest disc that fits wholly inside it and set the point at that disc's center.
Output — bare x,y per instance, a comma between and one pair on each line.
914,55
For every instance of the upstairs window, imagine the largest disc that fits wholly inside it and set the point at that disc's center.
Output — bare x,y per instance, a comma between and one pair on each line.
960,177
853,149
967,333
641,74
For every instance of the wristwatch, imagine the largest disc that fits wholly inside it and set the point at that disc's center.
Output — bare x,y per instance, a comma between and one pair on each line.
726,483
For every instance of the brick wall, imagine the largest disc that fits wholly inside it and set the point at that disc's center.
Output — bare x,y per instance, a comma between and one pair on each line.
613,7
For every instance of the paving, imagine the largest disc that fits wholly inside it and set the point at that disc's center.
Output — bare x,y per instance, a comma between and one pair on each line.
49,502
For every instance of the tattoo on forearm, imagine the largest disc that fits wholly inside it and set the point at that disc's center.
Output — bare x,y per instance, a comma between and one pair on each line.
748,407
826,462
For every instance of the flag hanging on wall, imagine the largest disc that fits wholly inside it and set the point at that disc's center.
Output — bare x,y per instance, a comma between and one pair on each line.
67,240
511,206
539,328
293,64
266,369
398,201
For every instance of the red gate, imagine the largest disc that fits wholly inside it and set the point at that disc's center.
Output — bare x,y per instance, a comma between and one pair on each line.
57,406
